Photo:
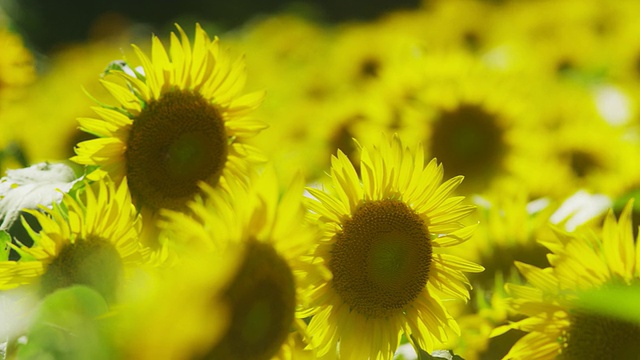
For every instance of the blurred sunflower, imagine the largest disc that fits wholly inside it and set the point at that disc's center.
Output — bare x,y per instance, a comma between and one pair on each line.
17,66
509,225
361,53
43,124
623,43
557,326
88,241
585,151
384,276
179,122
262,294
453,24
476,120
559,40
511,222
17,72
321,76
175,312
284,56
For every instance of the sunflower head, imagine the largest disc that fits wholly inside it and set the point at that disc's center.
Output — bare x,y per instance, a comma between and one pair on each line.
382,235
179,121
16,63
558,325
262,292
468,127
88,240
176,311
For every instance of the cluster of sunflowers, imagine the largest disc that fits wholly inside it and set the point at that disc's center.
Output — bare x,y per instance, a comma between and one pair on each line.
322,213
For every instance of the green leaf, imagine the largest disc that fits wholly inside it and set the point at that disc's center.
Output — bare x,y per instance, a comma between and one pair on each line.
116,65
78,187
67,326
626,299
5,249
622,200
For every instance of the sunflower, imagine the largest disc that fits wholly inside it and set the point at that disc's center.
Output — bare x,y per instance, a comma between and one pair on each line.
511,221
349,90
585,151
623,45
362,52
384,275
453,24
88,241
17,68
44,122
179,122
557,326
477,120
17,72
262,293
509,224
175,312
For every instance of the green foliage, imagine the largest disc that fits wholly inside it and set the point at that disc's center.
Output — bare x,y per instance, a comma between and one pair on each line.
67,326
601,301
5,249
78,187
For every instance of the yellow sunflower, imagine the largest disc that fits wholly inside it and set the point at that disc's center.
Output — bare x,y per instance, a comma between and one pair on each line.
16,64
557,326
180,121
384,274
623,44
477,120
17,72
509,224
554,40
594,155
262,294
590,146
452,24
347,89
88,241
43,123
175,312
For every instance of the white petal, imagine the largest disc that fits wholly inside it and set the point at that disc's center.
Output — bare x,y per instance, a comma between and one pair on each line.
40,184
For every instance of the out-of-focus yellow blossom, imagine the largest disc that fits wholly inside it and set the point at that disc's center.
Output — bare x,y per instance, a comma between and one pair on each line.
44,124
476,120
17,66
17,73
265,231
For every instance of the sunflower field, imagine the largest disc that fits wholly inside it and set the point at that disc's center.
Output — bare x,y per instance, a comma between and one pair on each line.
451,179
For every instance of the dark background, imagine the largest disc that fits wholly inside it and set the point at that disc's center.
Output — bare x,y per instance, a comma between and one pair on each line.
47,24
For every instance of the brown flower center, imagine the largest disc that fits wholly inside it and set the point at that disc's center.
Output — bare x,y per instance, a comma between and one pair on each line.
175,143
93,262
381,258
470,142
263,301
593,336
